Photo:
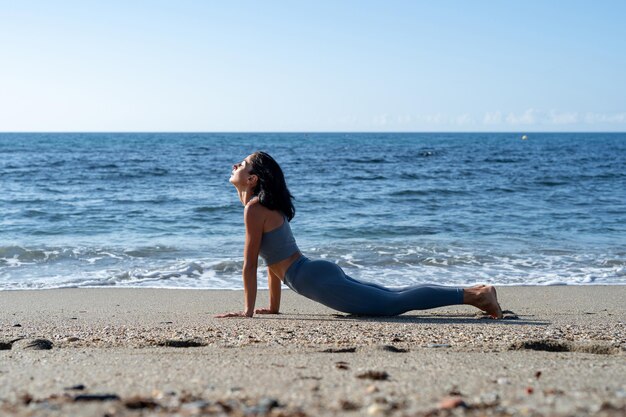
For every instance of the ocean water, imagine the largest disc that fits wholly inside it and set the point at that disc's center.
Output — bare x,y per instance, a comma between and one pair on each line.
157,210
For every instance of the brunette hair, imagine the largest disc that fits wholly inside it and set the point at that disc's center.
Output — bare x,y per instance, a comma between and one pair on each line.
271,188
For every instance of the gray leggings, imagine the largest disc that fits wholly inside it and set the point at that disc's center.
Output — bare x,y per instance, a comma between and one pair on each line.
326,283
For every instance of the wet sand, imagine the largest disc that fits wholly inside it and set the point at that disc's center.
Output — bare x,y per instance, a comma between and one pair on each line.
559,351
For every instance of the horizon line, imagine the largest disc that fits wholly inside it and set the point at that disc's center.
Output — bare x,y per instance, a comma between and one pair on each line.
313,131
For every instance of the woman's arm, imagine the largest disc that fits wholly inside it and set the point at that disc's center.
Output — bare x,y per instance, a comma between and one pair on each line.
273,283
253,218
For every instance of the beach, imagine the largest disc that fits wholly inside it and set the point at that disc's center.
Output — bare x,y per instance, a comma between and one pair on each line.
158,160
559,350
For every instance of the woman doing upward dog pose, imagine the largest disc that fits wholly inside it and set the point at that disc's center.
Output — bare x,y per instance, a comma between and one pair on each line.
263,191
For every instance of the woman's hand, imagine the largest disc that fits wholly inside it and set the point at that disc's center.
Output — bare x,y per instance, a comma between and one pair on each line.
235,314
265,311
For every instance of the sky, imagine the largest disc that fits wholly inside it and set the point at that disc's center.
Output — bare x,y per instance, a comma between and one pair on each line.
303,66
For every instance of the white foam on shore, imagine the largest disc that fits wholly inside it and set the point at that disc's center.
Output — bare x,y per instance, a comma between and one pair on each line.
393,266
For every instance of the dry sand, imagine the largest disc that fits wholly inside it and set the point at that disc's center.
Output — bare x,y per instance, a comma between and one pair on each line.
559,351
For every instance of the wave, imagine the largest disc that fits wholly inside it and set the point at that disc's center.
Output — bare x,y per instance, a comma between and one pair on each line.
211,209
393,265
380,231
502,160
413,176
155,172
368,177
103,166
437,191
19,255
551,183
34,213
373,160
160,199
180,274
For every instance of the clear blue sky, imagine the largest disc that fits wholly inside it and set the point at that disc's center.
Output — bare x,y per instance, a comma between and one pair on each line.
312,66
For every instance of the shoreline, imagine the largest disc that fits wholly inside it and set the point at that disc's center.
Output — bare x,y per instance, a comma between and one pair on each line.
285,288
309,359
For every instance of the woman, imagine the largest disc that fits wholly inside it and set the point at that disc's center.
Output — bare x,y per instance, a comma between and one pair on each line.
261,186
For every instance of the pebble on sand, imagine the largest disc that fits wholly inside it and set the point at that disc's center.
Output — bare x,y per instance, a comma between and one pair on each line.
138,403
96,397
438,345
77,387
392,348
347,405
448,403
375,375
34,344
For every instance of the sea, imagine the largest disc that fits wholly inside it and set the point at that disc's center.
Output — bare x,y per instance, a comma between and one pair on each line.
157,210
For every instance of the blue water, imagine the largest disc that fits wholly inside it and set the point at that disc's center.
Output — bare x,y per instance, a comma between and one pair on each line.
157,210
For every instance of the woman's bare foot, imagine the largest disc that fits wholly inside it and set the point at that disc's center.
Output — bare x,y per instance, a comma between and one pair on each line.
485,298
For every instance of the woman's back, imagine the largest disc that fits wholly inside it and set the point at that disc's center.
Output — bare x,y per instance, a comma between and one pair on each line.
278,243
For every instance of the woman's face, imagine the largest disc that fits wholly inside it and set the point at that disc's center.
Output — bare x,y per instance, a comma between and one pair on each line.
240,174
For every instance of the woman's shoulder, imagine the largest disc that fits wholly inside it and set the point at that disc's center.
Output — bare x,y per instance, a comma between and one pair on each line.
255,209
255,205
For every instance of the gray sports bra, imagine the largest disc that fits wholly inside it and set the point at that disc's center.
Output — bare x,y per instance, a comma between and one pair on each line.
278,244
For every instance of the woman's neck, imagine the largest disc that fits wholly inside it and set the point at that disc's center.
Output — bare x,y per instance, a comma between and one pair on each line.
245,196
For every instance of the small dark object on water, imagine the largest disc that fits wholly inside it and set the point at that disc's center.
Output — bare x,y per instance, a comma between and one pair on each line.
97,397
78,387
375,375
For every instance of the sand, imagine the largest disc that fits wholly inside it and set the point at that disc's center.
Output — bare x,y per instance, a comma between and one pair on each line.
559,351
